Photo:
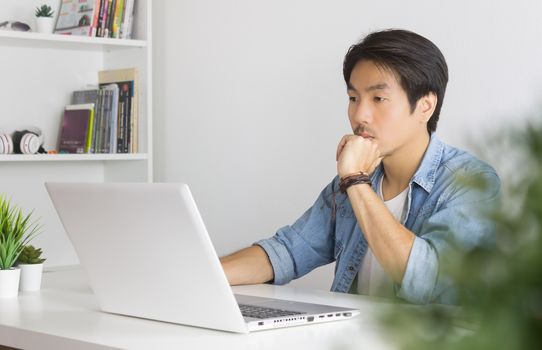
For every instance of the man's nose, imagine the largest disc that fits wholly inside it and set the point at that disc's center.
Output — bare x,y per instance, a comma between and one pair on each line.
363,113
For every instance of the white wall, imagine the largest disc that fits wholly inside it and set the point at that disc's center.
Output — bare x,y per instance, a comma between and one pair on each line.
250,102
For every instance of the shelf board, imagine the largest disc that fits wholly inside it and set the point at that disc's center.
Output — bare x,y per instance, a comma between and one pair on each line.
59,41
72,157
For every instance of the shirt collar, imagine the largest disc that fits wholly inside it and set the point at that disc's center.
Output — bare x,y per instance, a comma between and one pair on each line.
426,173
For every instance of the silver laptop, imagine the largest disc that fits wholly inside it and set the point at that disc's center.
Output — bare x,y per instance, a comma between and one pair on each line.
147,254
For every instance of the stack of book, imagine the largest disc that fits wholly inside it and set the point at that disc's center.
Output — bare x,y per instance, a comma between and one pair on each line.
100,18
103,119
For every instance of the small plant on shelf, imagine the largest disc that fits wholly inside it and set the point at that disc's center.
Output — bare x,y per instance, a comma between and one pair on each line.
31,265
44,19
44,11
30,255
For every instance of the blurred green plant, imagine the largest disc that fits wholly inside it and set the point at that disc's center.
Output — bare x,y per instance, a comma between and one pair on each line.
500,288
16,231
44,11
30,255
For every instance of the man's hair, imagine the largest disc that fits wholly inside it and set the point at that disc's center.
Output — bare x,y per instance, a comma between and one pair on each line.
417,63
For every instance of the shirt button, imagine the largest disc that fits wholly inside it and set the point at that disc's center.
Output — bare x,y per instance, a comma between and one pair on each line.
351,268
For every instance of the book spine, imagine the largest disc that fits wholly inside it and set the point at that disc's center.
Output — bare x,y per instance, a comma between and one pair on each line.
99,140
123,15
88,141
97,116
129,8
130,22
100,18
94,29
117,18
119,120
134,122
98,124
109,18
128,142
128,118
124,119
113,122
104,18
106,122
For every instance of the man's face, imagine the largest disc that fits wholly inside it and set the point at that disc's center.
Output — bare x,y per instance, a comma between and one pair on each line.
379,109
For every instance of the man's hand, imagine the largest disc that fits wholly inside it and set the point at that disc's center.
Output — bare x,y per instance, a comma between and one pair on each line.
357,154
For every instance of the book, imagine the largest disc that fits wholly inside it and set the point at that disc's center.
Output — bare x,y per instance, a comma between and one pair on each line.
76,130
94,30
113,119
104,144
102,17
109,19
127,20
76,17
126,118
127,111
85,96
98,116
91,95
117,21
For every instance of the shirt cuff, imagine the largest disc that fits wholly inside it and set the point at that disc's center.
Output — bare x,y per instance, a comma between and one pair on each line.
283,265
421,273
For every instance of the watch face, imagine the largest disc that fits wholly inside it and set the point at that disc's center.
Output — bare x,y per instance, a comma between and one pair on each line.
6,144
29,143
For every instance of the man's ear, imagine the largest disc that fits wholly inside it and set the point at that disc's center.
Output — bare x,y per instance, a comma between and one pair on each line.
426,106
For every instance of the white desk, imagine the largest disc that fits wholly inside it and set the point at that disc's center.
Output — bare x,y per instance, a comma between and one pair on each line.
65,315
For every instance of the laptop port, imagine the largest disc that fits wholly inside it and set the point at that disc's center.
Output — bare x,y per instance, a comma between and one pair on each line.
310,318
347,314
260,323
329,315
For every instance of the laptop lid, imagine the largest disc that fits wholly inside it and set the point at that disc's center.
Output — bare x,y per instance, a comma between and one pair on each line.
147,253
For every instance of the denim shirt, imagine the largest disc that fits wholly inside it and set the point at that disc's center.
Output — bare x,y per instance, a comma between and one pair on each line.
440,212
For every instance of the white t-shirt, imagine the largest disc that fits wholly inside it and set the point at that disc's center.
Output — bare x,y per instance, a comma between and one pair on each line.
372,279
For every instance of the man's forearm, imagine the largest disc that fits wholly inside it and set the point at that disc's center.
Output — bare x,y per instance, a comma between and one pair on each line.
390,241
248,266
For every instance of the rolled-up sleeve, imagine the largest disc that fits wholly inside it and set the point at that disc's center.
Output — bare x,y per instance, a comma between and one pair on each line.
463,221
307,244
281,260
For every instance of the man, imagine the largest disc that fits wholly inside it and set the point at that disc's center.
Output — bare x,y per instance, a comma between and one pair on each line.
396,205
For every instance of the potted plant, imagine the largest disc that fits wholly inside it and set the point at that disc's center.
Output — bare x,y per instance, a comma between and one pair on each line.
44,19
31,266
16,231
500,294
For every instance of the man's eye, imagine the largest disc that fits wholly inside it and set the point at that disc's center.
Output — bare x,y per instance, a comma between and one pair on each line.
379,99
351,98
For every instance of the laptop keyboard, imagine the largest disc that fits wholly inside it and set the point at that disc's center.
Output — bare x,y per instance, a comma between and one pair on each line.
265,312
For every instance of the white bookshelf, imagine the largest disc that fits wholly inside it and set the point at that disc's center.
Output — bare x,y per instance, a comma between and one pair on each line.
39,40
72,157
39,73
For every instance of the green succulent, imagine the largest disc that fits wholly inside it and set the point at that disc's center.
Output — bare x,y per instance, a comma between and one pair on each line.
44,11
16,231
30,255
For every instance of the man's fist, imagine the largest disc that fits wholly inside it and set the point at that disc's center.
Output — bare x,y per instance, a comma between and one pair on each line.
357,154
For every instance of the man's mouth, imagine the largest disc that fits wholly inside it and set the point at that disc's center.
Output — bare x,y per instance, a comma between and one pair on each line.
361,131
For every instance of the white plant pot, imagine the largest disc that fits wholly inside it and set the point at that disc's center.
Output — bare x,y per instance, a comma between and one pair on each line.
30,277
9,283
45,24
